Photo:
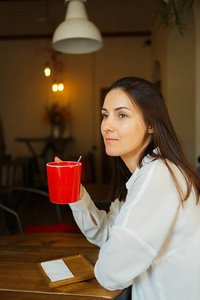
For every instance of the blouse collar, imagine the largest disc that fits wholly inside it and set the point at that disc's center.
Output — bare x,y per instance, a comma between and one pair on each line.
147,159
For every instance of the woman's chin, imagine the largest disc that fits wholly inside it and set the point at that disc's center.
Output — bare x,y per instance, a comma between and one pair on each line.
112,153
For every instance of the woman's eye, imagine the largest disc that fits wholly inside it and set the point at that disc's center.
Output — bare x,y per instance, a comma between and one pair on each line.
122,116
104,116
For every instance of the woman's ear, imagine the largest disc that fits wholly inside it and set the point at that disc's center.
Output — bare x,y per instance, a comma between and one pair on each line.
150,130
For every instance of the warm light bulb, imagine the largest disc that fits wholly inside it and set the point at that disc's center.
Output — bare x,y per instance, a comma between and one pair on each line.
61,87
47,71
55,87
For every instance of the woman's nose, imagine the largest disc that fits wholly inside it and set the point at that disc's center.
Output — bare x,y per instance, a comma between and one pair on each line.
108,124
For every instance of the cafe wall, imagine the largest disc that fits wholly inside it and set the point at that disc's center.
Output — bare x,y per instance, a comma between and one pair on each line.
197,78
176,56
181,84
25,91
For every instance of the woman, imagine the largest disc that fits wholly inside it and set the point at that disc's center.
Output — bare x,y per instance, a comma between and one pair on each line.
150,238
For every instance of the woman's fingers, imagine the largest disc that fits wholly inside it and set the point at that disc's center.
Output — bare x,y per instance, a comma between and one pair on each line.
57,159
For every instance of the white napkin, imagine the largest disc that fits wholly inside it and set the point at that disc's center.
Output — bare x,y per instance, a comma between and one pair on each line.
56,270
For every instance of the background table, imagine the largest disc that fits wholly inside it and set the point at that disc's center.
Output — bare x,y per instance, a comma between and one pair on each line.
50,146
20,277
56,144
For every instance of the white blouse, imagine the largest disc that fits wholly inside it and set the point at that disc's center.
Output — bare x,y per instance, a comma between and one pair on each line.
151,241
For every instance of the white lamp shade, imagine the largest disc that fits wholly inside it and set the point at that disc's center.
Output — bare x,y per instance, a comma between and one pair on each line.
77,35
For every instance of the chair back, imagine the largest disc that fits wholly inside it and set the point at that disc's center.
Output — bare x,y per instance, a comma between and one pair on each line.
28,210
2,141
6,172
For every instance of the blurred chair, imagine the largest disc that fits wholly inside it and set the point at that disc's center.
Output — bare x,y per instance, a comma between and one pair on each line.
12,200
9,167
6,171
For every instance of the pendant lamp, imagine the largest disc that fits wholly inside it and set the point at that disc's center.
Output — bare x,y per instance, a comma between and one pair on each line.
76,34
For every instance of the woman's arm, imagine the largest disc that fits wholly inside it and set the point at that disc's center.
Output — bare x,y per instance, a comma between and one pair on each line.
94,223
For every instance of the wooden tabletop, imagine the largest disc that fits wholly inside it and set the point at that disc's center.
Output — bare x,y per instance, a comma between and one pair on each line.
20,277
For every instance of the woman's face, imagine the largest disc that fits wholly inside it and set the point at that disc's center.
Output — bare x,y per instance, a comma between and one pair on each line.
123,128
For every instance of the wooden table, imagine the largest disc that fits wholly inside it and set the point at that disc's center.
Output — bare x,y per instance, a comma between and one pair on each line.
20,277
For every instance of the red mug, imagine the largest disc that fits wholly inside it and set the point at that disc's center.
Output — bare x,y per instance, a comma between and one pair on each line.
64,179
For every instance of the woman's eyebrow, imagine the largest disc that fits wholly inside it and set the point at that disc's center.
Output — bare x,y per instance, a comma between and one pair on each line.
117,108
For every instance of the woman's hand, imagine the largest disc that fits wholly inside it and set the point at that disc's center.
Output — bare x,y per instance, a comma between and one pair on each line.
81,192
57,159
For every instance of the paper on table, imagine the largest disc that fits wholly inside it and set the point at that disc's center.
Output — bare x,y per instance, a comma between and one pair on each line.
56,270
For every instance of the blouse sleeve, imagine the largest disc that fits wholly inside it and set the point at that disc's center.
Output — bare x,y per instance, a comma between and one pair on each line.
96,233
143,224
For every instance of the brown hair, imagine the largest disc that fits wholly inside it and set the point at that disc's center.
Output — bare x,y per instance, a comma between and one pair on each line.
148,98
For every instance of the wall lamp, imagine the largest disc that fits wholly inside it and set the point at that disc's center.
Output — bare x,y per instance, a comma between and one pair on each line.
57,87
47,70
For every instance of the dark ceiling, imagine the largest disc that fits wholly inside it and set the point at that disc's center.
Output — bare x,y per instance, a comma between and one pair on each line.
29,18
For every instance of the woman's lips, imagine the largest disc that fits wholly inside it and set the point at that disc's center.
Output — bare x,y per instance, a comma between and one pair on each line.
110,140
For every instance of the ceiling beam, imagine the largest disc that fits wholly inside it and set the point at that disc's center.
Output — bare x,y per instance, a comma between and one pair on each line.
49,36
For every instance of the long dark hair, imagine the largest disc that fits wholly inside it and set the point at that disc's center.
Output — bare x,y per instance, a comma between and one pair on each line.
149,100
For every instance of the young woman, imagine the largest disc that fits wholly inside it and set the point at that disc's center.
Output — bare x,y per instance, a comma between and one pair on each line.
150,238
